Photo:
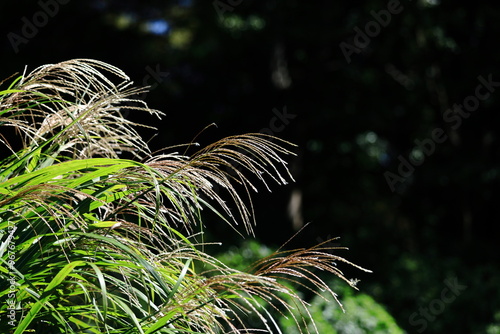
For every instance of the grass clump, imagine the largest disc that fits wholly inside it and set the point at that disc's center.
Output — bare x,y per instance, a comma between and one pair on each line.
95,243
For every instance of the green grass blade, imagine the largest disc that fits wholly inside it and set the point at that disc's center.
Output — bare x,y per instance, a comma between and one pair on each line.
61,275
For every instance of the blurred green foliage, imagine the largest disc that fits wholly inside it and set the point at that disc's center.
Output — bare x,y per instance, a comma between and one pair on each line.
362,315
495,327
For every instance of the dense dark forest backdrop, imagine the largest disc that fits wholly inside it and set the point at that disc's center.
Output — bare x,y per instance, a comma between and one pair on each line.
393,105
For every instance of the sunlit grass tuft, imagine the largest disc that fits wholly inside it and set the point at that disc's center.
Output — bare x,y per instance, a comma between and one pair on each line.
102,244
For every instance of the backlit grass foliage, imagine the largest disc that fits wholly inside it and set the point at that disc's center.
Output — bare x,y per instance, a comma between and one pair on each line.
95,243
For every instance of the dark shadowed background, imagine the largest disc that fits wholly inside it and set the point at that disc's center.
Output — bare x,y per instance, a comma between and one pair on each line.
394,106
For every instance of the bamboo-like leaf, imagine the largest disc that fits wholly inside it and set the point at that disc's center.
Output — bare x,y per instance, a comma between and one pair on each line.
61,275
179,280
